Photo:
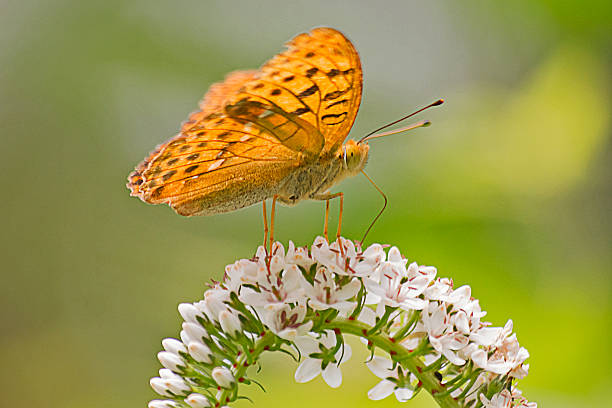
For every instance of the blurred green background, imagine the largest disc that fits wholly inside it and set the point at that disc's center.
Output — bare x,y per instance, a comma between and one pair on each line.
510,191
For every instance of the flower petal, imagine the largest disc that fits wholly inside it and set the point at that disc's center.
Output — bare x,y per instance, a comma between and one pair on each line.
332,375
307,370
403,394
381,390
380,367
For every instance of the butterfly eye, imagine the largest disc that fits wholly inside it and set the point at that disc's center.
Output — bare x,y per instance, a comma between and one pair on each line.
344,156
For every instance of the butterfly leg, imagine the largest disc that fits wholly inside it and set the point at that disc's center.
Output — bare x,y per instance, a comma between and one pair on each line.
326,220
265,222
272,213
328,197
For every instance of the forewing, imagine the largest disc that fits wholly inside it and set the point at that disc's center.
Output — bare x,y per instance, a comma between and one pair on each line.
318,79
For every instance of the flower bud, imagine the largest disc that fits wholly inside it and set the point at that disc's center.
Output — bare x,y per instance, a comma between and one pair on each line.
200,352
223,376
173,346
171,361
165,373
162,404
177,385
194,331
159,386
196,400
188,312
229,322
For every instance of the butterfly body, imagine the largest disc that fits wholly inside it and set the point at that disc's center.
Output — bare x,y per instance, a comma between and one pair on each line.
313,181
275,132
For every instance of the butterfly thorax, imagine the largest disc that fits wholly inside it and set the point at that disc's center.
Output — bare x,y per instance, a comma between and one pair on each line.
313,180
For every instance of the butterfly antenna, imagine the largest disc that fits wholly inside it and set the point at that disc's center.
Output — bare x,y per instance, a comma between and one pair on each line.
372,134
379,213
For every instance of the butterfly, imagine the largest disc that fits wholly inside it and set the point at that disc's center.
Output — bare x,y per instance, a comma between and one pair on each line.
274,133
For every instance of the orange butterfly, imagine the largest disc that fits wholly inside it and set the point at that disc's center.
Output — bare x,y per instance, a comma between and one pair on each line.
273,133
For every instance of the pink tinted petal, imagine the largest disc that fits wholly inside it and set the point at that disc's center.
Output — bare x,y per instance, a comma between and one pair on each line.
307,370
381,390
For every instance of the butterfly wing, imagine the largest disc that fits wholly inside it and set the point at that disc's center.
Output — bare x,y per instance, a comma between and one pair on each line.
222,164
257,127
318,78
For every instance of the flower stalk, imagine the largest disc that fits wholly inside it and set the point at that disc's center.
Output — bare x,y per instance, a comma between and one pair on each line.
424,335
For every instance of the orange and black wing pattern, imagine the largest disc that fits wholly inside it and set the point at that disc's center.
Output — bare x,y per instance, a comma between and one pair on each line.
255,128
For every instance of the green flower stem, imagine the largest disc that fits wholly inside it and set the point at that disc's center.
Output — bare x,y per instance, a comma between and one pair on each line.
245,360
408,360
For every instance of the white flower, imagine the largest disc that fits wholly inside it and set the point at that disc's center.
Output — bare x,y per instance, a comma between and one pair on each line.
196,400
241,272
326,294
312,367
275,287
347,261
439,290
286,322
398,286
393,380
520,401
507,357
499,400
223,376
442,337
298,256
507,399
467,317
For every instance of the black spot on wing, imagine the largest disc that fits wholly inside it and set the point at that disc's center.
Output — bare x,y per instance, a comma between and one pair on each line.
309,91
333,72
301,111
336,94
333,118
169,174
337,103
311,71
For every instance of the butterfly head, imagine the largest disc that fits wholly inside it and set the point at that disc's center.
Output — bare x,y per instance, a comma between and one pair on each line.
354,156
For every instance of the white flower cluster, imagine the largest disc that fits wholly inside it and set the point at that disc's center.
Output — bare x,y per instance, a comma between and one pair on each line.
308,300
